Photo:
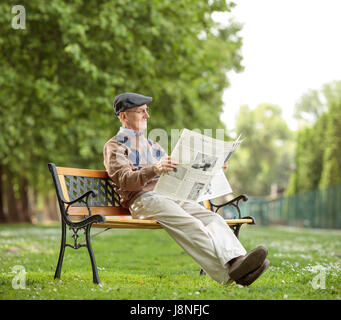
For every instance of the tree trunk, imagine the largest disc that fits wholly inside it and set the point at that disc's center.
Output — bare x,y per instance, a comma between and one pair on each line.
25,209
54,212
13,212
3,217
50,208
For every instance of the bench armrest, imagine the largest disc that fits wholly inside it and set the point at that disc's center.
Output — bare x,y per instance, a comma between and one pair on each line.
96,218
234,202
243,197
91,218
80,199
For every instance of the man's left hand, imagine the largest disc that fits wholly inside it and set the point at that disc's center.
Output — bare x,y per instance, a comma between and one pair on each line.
224,167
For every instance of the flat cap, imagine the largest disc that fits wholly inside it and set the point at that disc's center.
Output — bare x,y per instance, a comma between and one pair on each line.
128,100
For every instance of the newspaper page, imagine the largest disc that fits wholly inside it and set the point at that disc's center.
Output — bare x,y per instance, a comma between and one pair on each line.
219,186
199,175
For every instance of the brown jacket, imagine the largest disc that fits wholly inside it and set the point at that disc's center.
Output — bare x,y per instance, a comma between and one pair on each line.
132,173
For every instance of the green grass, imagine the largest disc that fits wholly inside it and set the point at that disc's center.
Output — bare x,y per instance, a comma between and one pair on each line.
148,264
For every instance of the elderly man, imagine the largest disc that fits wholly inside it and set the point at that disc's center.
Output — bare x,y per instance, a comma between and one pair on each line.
134,164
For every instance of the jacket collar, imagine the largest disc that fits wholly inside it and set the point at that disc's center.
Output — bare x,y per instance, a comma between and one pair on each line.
131,132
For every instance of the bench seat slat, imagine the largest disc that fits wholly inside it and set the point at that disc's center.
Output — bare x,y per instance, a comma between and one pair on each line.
105,211
149,224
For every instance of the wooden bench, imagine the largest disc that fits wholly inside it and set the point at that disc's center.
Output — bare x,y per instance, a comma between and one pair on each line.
87,199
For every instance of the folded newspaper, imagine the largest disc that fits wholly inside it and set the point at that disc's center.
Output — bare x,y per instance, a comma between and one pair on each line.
199,175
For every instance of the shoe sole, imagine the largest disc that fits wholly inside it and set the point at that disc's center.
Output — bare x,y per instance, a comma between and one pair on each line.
253,261
253,276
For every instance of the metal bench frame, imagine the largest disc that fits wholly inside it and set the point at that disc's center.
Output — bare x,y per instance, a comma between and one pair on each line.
95,204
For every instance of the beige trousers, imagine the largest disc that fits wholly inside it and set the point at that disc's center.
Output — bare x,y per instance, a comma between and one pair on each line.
204,235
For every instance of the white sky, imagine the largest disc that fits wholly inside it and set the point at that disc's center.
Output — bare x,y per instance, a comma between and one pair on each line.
289,46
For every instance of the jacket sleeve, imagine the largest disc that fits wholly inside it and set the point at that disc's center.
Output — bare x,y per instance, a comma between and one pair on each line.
122,172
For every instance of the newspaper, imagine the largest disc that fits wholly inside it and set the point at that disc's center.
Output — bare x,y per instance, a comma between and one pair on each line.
199,175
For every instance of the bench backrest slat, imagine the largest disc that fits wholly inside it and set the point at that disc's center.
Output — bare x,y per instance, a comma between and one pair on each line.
82,172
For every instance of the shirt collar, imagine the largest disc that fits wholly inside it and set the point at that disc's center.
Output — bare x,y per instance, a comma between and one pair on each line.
131,132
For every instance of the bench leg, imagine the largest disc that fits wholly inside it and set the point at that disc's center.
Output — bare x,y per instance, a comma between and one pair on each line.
202,272
236,230
92,257
61,252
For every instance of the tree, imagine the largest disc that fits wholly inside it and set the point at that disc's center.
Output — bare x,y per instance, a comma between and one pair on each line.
308,157
318,155
265,157
309,107
331,173
60,75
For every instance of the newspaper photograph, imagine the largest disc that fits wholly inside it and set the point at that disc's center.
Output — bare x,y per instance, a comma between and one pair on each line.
199,175
219,186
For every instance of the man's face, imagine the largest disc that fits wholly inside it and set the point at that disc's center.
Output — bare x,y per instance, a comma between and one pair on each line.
135,118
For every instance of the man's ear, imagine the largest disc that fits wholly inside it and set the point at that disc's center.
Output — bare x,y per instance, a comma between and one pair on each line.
122,116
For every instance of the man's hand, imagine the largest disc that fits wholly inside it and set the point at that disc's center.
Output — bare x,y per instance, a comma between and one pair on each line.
165,164
224,166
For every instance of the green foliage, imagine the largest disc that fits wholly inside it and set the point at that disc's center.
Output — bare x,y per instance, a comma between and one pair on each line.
60,75
308,157
265,157
331,173
309,106
318,151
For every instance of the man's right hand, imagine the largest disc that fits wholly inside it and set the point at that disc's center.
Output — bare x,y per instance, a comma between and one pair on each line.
165,164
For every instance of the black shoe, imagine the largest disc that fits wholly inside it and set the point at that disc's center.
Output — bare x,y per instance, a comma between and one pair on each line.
243,265
252,276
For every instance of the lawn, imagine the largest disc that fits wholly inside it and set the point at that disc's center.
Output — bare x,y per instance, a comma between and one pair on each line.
148,264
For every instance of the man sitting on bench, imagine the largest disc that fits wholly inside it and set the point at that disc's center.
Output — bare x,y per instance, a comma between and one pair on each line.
134,164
